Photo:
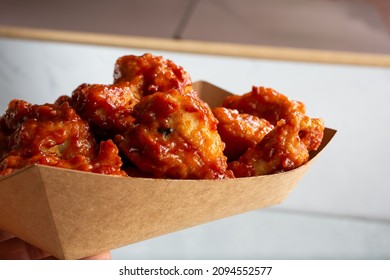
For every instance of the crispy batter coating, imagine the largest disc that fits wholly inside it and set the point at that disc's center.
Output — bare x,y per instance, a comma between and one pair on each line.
239,131
286,147
175,136
264,103
52,135
152,74
107,108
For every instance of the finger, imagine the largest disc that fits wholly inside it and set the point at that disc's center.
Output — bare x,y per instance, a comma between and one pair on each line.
13,249
16,249
34,253
5,236
102,256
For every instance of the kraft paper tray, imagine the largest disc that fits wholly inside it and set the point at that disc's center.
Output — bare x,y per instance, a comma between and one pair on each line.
73,214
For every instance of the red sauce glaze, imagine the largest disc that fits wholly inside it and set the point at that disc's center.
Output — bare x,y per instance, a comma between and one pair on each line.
175,136
53,135
152,73
239,131
107,108
286,147
264,103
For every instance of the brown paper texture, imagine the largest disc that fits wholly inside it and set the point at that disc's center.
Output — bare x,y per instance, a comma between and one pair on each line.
73,214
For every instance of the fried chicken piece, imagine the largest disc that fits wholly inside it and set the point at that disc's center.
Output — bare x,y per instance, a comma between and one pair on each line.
63,99
107,108
49,129
107,160
264,103
53,135
286,147
239,131
152,74
175,136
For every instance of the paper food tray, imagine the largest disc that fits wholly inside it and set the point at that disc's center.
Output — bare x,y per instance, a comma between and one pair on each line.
73,214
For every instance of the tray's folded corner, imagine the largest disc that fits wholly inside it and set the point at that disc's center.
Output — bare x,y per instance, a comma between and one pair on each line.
25,210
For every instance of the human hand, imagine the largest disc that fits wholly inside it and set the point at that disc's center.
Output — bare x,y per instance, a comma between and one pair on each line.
13,248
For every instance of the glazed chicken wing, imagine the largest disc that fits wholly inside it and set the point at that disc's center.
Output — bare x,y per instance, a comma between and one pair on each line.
175,136
239,131
286,147
52,135
152,74
107,108
264,103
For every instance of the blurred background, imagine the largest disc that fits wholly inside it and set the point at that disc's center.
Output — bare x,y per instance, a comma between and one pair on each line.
340,209
348,25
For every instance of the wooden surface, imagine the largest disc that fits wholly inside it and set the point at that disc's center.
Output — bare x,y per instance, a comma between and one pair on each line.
226,49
